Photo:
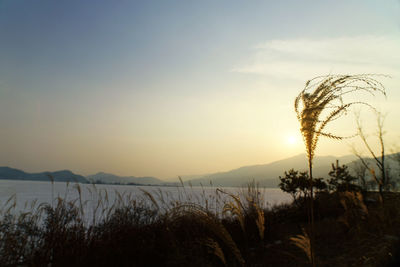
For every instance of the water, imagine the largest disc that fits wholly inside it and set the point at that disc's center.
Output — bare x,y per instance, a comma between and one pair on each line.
26,193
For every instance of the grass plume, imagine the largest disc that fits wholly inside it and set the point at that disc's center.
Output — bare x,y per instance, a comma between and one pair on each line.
322,101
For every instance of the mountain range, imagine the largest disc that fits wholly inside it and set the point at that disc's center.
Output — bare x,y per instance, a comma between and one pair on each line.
57,176
68,176
267,175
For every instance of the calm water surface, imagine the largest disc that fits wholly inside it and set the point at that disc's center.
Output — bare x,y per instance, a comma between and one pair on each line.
25,193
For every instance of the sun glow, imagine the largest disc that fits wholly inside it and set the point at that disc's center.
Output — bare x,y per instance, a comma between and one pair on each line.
292,139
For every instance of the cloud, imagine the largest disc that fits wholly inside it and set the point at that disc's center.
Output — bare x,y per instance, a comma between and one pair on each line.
305,58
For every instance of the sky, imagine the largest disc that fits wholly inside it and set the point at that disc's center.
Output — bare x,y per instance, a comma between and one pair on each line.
168,88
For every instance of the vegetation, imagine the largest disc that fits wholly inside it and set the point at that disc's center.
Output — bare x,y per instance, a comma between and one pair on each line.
157,231
382,179
341,180
318,104
297,184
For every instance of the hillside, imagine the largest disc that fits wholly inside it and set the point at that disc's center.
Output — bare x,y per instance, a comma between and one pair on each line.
58,176
268,174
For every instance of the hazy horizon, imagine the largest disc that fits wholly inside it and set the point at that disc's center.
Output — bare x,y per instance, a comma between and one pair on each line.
181,87
185,175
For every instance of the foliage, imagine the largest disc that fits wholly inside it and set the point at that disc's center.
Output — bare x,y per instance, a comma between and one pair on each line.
154,230
341,180
141,233
297,184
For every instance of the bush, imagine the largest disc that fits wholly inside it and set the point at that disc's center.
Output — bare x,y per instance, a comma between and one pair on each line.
297,184
341,180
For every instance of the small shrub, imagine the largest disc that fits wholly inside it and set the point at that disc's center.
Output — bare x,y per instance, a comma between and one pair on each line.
297,184
341,180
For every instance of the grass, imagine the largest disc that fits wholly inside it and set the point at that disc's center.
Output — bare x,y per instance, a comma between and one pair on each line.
318,104
157,230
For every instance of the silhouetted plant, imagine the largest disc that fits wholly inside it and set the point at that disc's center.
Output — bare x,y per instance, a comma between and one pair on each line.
137,232
303,242
247,209
341,180
297,184
381,179
293,183
322,101
210,224
354,208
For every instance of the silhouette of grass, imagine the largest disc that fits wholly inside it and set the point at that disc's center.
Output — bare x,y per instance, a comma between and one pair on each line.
158,230
321,102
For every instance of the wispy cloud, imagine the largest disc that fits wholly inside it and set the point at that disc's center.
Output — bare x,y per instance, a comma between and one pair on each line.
305,58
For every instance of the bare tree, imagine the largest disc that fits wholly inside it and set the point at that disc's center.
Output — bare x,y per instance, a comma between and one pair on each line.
381,179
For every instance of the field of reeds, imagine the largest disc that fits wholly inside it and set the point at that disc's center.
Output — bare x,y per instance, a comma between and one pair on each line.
351,229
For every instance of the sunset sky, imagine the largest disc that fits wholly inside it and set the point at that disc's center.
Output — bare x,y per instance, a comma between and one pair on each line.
168,88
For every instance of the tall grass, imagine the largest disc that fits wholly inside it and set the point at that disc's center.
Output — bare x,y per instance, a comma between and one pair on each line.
156,227
322,101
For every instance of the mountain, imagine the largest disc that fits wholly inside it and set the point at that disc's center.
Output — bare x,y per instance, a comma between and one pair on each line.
58,176
268,174
68,176
109,178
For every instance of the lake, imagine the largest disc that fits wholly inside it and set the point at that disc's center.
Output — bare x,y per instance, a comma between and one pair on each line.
24,195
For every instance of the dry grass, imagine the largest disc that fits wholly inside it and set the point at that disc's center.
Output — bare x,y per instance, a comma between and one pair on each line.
322,101
303,242
145,232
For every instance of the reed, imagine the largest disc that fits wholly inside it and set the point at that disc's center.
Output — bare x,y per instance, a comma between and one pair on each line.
322,101
154,229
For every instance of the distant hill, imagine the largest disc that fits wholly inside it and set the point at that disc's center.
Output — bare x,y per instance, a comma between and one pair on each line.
58,176
68,176
267,174
109,178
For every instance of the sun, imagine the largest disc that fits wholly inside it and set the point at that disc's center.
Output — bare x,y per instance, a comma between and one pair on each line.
292,139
